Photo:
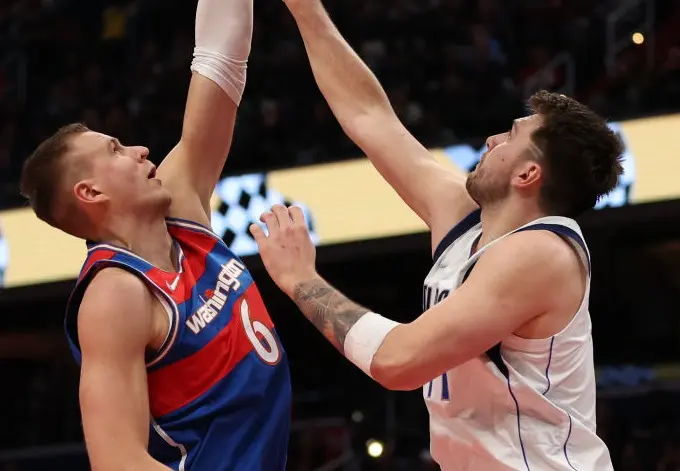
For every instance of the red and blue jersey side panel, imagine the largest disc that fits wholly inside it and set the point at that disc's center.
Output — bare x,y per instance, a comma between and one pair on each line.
219,389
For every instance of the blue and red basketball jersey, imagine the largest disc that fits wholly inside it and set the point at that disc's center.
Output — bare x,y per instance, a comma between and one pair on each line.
219,387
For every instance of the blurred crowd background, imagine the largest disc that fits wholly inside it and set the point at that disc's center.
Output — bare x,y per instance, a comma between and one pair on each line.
455,71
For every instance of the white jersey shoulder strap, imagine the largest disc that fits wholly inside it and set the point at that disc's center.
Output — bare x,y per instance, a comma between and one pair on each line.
568,229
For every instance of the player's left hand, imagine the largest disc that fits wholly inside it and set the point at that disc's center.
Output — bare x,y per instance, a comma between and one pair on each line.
288,252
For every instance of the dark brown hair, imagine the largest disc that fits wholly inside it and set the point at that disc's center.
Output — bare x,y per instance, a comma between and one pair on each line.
43,173
581,155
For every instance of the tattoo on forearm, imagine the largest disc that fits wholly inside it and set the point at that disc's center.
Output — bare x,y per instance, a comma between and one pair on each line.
328,309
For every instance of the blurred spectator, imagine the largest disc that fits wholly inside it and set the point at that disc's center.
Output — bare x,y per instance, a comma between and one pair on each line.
453,69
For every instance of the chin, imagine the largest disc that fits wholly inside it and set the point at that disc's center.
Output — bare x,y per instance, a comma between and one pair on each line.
470,180
162,200
472,187
162,193
166,201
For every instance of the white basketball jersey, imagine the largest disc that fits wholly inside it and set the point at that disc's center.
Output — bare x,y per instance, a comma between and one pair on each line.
527,404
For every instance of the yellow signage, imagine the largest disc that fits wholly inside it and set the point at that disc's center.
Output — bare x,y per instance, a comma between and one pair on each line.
343,201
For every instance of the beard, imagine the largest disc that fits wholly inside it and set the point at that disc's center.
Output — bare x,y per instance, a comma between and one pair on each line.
471,186
484,189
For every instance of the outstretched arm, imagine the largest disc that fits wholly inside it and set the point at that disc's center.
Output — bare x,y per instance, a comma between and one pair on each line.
191,170
513,283
435,192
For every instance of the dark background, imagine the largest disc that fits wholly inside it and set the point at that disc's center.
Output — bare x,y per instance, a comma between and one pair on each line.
455,71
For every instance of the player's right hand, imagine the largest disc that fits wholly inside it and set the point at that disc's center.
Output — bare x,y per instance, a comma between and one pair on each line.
287,252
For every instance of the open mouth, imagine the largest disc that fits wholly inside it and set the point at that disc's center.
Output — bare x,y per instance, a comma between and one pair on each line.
152,173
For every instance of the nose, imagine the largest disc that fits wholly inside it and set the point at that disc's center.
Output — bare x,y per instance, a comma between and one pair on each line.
142,152
493,141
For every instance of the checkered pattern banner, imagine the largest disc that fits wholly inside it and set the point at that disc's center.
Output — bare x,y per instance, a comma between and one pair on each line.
242,200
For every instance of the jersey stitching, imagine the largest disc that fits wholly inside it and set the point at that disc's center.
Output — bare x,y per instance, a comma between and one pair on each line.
566,442
547,368
519,424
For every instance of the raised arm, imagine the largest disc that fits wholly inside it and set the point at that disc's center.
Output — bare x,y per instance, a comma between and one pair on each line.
513,283
114,328
436,193
191,170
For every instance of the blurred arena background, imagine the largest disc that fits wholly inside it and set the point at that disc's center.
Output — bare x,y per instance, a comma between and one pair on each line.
456,71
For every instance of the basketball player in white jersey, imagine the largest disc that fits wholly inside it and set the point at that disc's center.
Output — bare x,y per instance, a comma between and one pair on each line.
503,351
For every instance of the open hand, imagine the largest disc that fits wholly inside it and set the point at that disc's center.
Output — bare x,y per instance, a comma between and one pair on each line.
288,252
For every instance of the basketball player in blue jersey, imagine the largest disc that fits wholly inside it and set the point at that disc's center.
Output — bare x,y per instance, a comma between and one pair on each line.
503,350
180,366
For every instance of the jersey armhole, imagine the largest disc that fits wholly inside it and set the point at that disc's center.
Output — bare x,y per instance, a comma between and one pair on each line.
172,311
73,306
467,223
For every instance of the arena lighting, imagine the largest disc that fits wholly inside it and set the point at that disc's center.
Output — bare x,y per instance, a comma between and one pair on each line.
638,38
374,448
425,456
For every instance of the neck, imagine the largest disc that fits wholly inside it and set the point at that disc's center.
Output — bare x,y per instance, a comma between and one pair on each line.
506,216
148,238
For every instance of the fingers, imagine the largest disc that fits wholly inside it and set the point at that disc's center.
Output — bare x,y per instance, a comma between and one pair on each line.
282,216
258,233
297,216
271,221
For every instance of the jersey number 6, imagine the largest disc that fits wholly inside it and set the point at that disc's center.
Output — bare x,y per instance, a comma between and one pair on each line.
266,346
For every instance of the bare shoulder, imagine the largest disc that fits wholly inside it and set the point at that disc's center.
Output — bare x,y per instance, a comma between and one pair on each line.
541,278
117,307
529,267
537,252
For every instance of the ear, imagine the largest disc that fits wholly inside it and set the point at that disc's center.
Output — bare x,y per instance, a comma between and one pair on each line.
529,175
86,191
